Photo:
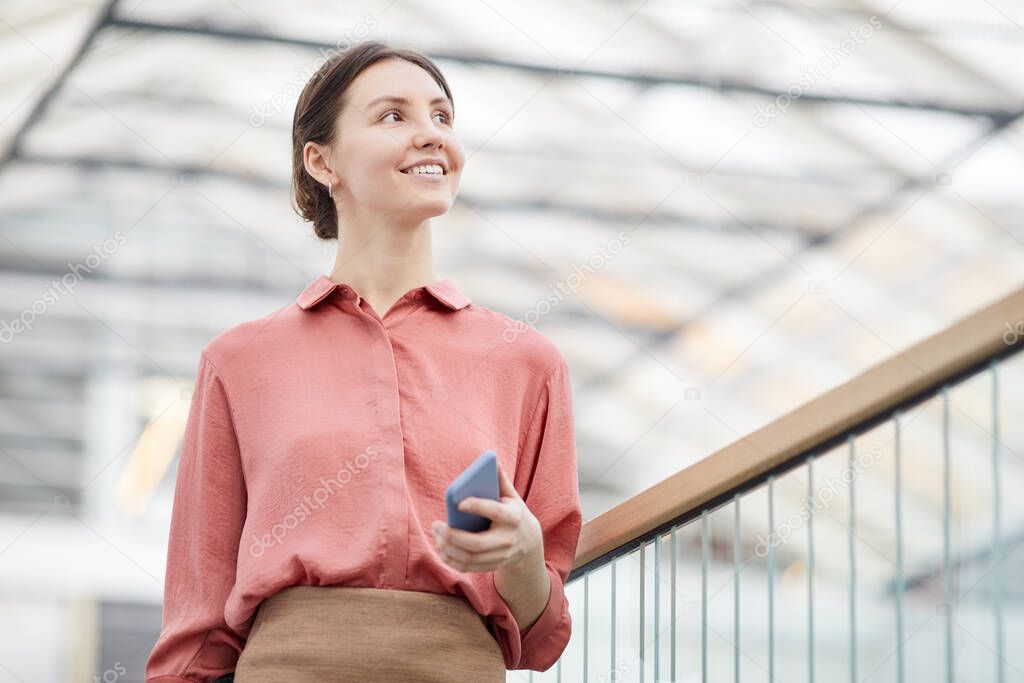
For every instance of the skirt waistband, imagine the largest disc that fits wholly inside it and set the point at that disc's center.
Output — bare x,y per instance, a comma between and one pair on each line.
368,634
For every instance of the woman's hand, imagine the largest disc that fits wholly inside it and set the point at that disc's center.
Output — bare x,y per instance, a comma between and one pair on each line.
514,537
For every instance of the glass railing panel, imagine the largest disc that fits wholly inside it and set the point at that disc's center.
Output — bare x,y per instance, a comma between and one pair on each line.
891,551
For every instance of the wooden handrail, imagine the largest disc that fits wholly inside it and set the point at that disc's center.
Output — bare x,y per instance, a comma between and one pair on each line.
877,390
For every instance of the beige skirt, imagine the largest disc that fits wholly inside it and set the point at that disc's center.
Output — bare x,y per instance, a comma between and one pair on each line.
347,633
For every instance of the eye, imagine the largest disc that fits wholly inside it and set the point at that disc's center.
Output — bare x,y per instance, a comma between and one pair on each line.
447,116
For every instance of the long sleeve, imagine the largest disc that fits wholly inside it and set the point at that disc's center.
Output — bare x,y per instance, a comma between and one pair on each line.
195,642
547,472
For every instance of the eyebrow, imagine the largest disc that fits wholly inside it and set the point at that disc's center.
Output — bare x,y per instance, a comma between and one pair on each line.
401,100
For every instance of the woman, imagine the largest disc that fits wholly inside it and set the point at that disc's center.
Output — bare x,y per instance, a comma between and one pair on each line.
307,538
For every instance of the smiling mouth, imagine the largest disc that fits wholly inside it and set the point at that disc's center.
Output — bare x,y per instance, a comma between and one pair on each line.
438,175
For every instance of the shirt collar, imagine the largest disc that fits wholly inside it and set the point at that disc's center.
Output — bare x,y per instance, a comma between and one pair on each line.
444,291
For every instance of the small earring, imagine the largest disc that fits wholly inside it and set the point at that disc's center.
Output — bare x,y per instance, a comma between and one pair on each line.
330,189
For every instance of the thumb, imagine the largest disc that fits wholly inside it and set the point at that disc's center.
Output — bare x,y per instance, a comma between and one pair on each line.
506,489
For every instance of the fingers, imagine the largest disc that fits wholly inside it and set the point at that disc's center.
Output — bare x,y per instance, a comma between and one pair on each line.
472,551
496,511
473,562
472,541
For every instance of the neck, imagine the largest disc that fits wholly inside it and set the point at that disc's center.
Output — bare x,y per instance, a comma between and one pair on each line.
384,262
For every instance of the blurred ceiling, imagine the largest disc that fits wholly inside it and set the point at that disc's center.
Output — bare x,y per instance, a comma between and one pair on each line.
806,188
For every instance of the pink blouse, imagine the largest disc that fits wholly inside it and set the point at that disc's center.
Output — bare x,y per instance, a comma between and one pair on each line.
319,444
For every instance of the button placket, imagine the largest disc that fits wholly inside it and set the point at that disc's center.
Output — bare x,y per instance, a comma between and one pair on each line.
412,304
394,541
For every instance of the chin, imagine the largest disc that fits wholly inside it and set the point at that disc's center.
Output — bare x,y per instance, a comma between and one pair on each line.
436,202
421,211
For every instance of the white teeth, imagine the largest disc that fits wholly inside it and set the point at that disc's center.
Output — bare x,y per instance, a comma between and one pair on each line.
430,168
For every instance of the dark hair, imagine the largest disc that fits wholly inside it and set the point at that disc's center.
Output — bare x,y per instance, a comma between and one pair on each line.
317,110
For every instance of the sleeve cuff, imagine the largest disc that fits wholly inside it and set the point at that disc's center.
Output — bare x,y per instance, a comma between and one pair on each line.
543,642
549,618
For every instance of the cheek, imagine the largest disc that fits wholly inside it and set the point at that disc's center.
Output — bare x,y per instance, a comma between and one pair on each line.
373,175
371,184
456,151
457,155
371,158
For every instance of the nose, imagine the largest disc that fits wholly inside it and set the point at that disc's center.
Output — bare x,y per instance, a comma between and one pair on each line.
428,136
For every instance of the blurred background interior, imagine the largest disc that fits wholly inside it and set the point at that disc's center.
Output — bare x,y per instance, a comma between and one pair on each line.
805,187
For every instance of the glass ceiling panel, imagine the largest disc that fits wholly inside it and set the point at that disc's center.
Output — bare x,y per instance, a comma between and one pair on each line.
895,180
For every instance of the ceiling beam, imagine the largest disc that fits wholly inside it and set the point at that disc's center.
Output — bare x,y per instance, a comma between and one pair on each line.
643,80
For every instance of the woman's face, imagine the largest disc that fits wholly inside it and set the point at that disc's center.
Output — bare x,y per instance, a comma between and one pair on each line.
378,137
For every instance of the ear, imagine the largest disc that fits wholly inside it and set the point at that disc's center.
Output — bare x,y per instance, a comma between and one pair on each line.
316,163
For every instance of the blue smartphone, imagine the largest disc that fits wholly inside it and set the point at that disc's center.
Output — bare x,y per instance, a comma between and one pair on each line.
479,480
